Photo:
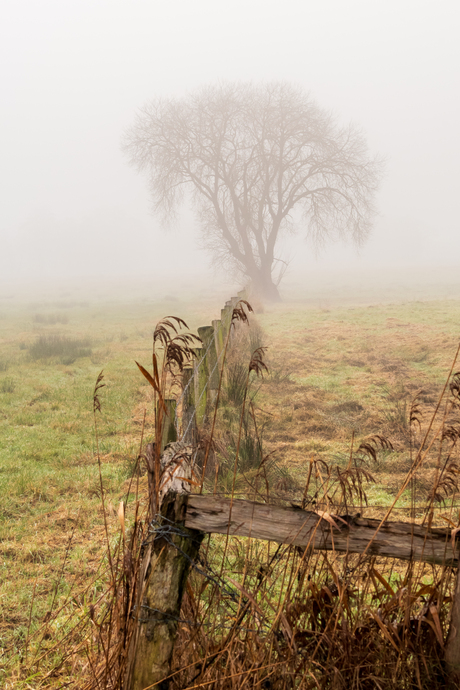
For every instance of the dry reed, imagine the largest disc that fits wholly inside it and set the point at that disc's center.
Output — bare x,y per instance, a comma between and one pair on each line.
263,615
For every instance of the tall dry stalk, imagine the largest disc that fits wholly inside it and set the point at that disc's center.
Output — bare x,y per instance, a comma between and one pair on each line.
271,616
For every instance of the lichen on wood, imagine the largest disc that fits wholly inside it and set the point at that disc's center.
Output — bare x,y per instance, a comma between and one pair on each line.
171,552
307,529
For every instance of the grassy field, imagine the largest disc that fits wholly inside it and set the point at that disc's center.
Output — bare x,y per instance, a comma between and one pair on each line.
337,374
355,370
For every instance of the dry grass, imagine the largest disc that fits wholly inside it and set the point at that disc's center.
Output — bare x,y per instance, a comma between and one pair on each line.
277,618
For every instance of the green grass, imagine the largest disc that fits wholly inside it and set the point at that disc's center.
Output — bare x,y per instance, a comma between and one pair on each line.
333,374
49,474
65,350
373,358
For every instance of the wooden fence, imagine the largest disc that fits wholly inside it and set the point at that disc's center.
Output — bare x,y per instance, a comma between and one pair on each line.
189,517
185,519
307,529
200,380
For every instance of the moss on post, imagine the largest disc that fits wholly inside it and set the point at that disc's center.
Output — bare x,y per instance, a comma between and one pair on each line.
171,554
169,431
218,336
206,334
225,317
452,651
188,407
201,378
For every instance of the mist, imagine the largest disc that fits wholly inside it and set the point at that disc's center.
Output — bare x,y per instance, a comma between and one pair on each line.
74,74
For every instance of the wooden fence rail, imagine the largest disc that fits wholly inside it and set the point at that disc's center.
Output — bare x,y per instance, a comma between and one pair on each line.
185,518
331,533
190,516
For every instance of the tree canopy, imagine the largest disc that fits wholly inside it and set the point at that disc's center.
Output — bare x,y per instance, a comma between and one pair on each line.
257,162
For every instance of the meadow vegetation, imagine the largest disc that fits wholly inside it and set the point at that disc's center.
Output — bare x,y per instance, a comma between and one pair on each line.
336,376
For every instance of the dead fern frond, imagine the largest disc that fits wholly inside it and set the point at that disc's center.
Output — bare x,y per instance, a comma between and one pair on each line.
454,385
447,484
415,413
351,482
97,388
161,332
452,433
370,446
239,314
178,353
257,364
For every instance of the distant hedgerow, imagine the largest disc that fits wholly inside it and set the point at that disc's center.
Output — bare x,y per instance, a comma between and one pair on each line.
7,385
67,350
51,319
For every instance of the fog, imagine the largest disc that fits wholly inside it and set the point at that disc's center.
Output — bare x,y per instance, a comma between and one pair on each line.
74,73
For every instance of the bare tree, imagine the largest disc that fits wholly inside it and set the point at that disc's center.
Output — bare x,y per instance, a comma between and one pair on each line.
255,159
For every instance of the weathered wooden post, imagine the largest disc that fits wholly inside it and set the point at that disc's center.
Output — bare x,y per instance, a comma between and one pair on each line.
171,550
233,303
226,317
169,431
201,377
452,652
223,322
226,312
188,407
206,334
218,336
168,435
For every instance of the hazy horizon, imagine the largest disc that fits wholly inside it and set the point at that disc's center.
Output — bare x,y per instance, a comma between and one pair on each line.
74,75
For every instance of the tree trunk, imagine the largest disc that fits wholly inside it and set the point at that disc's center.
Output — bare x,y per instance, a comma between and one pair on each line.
263,285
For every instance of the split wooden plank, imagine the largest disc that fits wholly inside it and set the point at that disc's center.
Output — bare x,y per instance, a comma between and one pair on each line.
307,529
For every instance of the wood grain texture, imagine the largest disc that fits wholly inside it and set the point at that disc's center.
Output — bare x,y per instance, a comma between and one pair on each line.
306,529
169,558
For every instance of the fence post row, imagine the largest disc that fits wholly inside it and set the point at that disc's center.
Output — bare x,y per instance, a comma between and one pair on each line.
207,336
188,407
185,519
200,380
172,547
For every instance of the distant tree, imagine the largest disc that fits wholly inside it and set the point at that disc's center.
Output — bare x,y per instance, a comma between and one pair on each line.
256,161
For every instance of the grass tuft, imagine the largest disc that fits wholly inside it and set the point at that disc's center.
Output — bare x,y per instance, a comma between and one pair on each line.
7,385
65,349
255,615
51,319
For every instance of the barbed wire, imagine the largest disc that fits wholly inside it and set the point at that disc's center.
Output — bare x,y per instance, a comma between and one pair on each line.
166,529
194,623
162,527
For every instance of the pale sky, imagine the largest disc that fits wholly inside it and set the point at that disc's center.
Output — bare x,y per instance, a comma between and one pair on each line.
74,72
